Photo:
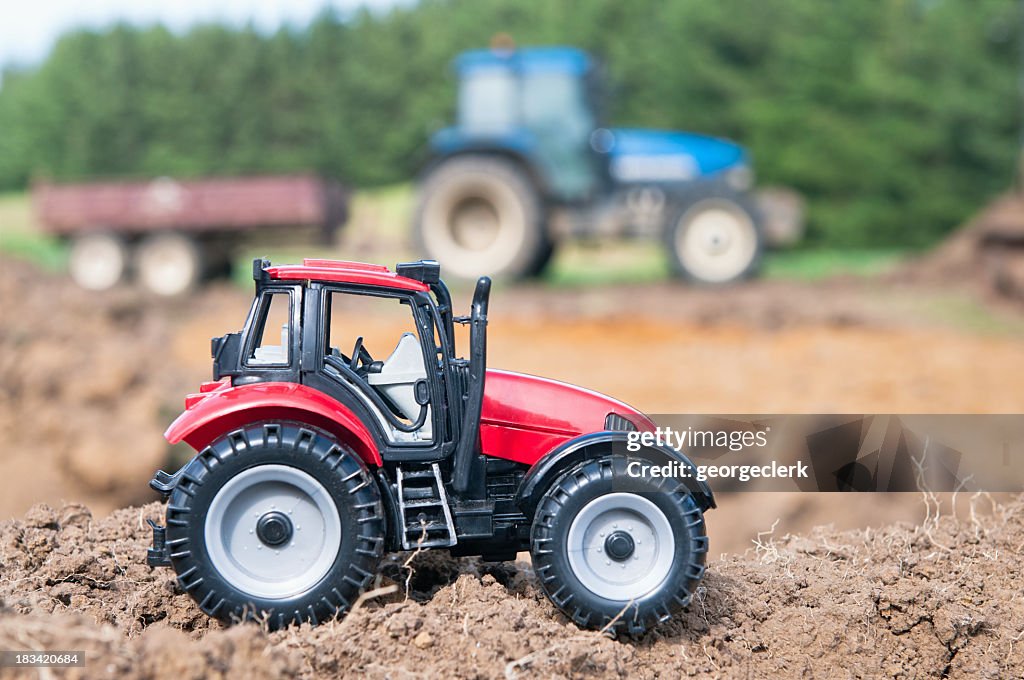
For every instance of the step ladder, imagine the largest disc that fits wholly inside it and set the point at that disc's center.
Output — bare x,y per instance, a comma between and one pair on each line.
423,507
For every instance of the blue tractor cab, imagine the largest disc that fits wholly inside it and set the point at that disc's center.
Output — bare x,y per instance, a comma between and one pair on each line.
530,161
537,105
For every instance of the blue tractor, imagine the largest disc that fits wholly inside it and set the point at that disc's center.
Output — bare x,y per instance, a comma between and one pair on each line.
529,163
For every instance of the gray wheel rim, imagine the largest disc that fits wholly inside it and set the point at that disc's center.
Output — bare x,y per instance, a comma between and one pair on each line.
167,264
474,224
716,241
621,579
470,256
273,571
97,262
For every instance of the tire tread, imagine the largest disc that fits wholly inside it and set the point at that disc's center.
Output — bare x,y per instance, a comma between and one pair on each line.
357,484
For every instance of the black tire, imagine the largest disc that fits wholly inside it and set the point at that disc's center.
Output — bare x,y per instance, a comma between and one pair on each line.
169,264
543,259
481,215
604,480
714,236
259,449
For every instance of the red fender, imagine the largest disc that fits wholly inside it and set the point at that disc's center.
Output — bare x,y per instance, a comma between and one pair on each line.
222,409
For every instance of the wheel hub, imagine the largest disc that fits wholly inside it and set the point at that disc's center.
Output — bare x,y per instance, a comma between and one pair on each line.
274,528
475,224
716,241
619,546
273,531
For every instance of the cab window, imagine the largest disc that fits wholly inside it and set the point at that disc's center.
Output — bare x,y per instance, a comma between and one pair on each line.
380,321
377,340
271,345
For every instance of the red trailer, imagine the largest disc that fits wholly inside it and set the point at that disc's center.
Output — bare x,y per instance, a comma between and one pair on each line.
171,233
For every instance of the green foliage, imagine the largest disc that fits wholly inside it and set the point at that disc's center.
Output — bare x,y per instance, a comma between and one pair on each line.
895,118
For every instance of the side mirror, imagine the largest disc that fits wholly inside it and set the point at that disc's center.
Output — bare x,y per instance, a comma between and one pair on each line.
225,351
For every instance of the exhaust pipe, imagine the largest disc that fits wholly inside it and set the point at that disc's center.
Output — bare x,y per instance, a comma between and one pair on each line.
469,439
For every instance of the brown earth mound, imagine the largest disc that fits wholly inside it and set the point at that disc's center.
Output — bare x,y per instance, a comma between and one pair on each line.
76,380
940,599
88,382
987,254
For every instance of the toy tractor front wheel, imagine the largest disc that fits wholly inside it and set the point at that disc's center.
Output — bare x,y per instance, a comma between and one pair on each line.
277,523
608,547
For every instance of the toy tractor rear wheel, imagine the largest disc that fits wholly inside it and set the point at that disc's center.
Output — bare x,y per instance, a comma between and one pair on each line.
481,215
275,522
715,238
610,547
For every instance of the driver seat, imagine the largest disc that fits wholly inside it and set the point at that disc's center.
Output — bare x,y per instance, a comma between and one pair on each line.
399,374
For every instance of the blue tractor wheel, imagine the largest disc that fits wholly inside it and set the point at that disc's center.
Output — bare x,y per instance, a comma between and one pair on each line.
481,215
715,237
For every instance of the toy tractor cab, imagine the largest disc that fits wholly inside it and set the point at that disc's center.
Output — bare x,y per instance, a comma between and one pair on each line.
529,162
315,457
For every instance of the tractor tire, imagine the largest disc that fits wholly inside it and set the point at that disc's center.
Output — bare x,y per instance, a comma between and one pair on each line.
618,552
715,238
168,264
480,215
543,259
275,522
98,261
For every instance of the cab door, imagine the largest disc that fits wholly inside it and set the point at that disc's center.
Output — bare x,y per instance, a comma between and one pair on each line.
368,355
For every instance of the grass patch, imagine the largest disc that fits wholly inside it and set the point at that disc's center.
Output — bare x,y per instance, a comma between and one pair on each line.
44,251
578,265
20,237
810,265
635,262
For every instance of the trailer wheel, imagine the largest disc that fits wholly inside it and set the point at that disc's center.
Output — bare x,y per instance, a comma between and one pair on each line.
610,547
275,522
480,215
715,239
98,261
168,264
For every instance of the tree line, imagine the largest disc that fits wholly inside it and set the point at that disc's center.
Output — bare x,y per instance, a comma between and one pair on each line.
895,119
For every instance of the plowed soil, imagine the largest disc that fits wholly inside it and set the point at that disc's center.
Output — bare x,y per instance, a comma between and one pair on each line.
88,383
941,599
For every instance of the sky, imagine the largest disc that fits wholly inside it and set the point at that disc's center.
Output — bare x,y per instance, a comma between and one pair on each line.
29,28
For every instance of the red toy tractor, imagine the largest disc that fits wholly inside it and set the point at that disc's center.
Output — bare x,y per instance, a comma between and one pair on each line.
313,463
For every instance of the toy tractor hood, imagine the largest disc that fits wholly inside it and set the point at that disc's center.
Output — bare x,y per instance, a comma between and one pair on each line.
670,156
527,402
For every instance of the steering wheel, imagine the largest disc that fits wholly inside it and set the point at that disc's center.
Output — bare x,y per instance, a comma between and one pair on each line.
360,355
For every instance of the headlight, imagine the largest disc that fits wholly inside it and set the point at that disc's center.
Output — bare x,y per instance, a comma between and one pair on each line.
740,178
